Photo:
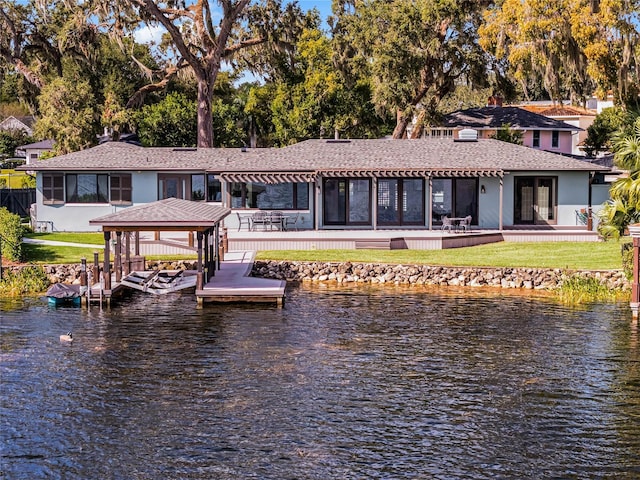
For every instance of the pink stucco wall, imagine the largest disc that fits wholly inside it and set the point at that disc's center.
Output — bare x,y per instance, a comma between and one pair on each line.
564,141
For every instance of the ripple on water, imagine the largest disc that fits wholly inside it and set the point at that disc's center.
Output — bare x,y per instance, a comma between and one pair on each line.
341,383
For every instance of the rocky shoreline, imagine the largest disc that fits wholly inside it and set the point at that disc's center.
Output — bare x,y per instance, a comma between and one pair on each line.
524,278
353,273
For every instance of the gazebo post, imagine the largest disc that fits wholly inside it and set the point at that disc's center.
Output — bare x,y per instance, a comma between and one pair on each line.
127,253
137,244
199,278
207,273
213,240
118,257
106,269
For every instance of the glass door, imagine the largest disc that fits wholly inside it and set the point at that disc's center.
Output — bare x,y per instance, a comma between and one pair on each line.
346,201
535,201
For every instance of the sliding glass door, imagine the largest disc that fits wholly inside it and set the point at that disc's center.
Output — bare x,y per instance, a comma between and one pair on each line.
347,201
400,201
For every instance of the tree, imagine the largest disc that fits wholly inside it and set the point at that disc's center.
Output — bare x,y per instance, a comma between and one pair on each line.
197,42
624,207
600,132
508,134
67,114
168,123
414,51
12,139
571,46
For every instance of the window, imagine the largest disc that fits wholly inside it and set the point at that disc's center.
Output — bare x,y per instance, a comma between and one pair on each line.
53,188
214,189
183,186
197,187
121,189
87,188
279,196
555,139
536,139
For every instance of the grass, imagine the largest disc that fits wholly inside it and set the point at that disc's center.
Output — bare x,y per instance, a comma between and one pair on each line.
13,179
565,255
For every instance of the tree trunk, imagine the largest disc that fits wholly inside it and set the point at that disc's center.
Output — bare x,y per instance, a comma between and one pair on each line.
402,121
205,119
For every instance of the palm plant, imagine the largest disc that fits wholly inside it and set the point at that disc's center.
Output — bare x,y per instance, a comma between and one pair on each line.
624,207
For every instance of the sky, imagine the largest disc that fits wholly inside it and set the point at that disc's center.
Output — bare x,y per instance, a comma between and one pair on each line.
154,34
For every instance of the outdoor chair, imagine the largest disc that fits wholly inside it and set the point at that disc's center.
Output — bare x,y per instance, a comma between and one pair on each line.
465,224
260,218
292,222
447,224
276,220
244,220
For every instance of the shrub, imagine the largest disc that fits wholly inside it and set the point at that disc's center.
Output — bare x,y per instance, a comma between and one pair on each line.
11,232
31,279
578,290
627,259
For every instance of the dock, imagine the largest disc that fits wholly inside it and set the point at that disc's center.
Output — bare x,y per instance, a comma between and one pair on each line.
232,283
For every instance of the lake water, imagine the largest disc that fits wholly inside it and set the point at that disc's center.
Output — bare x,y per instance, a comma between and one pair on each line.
352,383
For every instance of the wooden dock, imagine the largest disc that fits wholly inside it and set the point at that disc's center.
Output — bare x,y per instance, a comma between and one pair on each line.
232,283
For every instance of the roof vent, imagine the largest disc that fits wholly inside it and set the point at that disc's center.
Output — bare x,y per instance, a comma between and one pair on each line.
338,141
467,135
185,149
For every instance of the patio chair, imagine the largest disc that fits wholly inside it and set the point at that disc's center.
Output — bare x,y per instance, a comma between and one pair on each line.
465,223
292,222
447,224
276,220
260,218
244,220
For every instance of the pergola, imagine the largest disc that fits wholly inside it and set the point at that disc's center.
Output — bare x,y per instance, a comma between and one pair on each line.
170,214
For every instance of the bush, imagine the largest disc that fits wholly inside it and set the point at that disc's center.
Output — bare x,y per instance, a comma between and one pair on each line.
27,280
579,290
11,232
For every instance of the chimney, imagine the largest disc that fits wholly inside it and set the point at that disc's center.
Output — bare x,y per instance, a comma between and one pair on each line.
336,134
494,101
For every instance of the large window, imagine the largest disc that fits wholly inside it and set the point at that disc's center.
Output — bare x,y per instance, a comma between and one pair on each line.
347,201
121,188
87,188
400,201
454,197
279,196
185,187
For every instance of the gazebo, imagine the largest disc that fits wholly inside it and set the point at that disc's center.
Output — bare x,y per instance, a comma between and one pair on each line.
170,214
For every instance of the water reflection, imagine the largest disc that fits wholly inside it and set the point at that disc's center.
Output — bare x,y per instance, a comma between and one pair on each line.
341,383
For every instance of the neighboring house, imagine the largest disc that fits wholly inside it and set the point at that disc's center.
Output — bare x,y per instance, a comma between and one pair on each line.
18,123
576,116
33,151
538,131
330,184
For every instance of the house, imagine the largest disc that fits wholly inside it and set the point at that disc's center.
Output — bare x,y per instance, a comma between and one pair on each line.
576,116
538,131
18,123
330,184
33,151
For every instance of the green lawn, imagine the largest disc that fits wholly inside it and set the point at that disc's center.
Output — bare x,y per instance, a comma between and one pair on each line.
13,179
569,255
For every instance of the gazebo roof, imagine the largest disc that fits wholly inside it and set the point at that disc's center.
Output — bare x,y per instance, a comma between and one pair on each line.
167,214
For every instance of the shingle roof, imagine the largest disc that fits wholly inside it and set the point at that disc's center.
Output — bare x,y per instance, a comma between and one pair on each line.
319,156
170,212
43,145
496,117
